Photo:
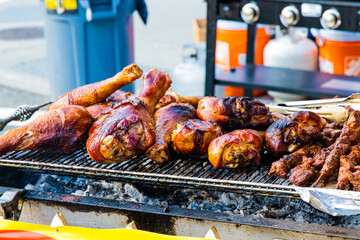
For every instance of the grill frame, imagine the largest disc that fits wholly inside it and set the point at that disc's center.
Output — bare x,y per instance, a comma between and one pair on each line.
183,172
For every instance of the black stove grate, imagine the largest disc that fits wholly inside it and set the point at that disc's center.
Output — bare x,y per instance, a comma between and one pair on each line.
184,172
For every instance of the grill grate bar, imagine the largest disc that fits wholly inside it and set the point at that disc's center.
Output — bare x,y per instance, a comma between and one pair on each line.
182,172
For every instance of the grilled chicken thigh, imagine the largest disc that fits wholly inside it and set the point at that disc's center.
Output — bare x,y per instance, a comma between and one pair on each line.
98,92
61,130
234,113
166,119
129,129
288,134
194,136
171,96
238,148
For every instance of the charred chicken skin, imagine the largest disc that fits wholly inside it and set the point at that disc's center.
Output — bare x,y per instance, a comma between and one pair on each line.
347,166
238,148
129,129
97,92
166,119
194,136
327,162
171,96
282,167
293,132
101,109
61,130
234,112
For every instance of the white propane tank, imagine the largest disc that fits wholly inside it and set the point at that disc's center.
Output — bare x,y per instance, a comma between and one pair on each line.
294,51
188,78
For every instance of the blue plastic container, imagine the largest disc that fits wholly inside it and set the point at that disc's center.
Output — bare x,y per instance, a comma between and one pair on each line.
89,44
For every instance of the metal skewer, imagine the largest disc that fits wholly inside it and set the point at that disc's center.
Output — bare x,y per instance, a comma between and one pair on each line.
22,113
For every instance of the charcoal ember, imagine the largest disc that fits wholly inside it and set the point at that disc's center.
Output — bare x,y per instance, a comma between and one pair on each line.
215,201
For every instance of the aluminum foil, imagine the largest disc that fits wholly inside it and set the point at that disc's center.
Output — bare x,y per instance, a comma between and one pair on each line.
331,201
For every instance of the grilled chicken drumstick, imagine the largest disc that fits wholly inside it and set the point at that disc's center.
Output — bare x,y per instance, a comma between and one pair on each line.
238,148
194,136
129,129
171,96
101,109
234,112
166,119
288,134
62,130
97,92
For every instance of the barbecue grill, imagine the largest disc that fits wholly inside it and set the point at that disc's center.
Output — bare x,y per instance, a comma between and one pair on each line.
179,172
39,207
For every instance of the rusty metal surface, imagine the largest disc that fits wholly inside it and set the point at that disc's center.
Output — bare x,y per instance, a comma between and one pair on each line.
141,212
179,172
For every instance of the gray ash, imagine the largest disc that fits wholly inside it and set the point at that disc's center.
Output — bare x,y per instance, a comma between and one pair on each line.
216,201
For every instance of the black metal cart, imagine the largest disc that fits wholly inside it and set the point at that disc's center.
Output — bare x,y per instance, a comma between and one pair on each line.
339,15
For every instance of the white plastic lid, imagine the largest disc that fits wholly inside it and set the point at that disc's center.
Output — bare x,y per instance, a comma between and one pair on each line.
235,25
336,35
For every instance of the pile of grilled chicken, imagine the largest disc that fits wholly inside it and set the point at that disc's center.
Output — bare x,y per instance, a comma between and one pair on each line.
229,132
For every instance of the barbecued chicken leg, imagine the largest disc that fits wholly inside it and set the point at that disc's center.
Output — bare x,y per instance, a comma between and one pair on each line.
238,148
194,136
288,134
61,130
166,119
171,96
234,113
97,92
129,129
101,109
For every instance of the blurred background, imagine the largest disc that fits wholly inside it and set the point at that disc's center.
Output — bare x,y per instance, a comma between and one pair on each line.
24,61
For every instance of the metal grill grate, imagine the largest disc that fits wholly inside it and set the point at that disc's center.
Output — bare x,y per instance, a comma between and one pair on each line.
181,172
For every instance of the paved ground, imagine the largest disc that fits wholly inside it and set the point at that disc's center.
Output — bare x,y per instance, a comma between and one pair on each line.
23,62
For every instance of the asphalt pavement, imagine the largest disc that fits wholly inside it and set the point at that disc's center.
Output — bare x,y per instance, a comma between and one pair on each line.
23,57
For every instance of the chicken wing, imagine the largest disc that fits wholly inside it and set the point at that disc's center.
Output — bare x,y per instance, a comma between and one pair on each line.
194,136
234,112
97,92
166,119
237,148
61,130
129,128
171,96
288,134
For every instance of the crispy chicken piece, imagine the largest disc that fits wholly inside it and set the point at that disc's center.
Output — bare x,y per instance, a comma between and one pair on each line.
166,119
293,132
129,129
194,136
93,93
61,130
328,161
329,133
238,148
234,112
119,96
349,135
101,109
283,166
355,178
171,96
347,165
307,171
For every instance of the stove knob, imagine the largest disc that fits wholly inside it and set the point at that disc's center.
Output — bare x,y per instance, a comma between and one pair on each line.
331,19
250,13
289,16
